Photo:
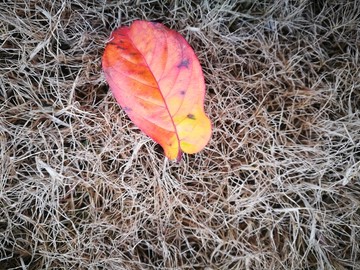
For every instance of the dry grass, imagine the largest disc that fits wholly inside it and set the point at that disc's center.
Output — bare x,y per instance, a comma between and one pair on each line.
277,187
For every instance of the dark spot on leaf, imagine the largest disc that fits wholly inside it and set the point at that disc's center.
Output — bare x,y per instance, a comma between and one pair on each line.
182,92
184,63
120,47
191,116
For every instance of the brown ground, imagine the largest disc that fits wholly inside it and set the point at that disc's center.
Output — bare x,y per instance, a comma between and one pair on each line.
277,187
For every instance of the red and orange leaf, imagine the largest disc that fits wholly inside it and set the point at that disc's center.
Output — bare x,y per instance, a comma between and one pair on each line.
156,78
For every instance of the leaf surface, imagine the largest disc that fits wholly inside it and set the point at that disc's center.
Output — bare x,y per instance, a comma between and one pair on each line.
156,78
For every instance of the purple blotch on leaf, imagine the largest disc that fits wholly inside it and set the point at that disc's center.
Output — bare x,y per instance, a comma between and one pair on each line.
184,63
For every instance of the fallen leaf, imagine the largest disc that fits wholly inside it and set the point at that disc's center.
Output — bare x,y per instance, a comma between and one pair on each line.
156,78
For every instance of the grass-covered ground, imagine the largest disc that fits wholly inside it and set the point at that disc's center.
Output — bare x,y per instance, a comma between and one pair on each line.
277,187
